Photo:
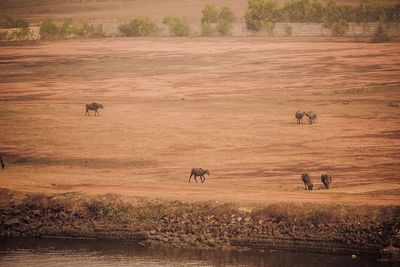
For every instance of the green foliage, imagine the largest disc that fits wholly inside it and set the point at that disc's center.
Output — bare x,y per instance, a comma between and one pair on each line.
372,10
206,29
13,22
177,25
140,26
288,29
67,28
216,20
210,14
48,29
225,20
380,35
334,18
262,14
303,11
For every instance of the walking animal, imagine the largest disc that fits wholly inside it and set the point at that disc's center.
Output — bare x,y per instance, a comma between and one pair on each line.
326,180
93,106
308,185
2,162
198,172
312,117
299,116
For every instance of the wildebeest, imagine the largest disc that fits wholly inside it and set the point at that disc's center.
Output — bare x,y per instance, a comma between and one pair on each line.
308,185
312,117
198,172
326,180
93,106
2,162
299,116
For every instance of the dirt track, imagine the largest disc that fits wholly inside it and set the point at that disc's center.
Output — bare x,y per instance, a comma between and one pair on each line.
226,104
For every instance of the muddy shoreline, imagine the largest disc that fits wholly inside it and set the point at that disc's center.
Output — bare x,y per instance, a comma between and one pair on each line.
310,228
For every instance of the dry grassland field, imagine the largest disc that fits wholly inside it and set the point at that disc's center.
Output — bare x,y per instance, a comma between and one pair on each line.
225,104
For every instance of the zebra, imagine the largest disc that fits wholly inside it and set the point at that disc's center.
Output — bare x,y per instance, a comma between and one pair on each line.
326,180
2,162
299,116
198,172
312,117
93,106
308,185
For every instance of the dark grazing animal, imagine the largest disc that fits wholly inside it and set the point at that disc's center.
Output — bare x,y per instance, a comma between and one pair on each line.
2,162
308,185
326,180
312,117
93,106
299,116
199,172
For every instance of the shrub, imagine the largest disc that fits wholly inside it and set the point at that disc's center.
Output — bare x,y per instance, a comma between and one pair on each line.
225,20
67,28
288,29
177,25
334,19
303,11
13,22
140,26
206,29
372,10
380,35
48,29
210,14
262,14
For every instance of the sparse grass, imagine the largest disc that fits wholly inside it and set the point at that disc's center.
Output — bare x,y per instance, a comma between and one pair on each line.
329,213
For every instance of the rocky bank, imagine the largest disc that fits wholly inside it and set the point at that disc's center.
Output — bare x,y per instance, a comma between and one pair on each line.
306,227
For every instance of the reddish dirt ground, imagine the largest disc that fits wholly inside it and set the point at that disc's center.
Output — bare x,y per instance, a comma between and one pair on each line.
226,104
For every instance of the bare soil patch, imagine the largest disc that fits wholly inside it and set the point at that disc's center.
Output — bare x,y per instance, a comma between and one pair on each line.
226,104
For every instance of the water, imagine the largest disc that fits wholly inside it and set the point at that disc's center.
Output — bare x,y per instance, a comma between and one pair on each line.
87,253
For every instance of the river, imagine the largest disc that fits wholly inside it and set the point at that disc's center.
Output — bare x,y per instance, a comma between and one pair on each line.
87,253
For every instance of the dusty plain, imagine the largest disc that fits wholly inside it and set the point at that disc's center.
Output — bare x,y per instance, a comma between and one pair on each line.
225,104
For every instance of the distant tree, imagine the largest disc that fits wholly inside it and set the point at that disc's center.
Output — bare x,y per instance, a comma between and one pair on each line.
262,14
303,11
13,22
210,14
225,20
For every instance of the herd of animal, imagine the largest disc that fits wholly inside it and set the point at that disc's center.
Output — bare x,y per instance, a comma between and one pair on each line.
199,172
311,116
308,184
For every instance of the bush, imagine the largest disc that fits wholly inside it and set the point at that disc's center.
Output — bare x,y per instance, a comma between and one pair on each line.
372,10
177,25
13,22
206,29
334,18
262,14
48,29
303,11
380,35
67,28
225,20
140,26
210,14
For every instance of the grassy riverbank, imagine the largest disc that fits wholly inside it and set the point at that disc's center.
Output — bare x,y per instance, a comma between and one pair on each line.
310,227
